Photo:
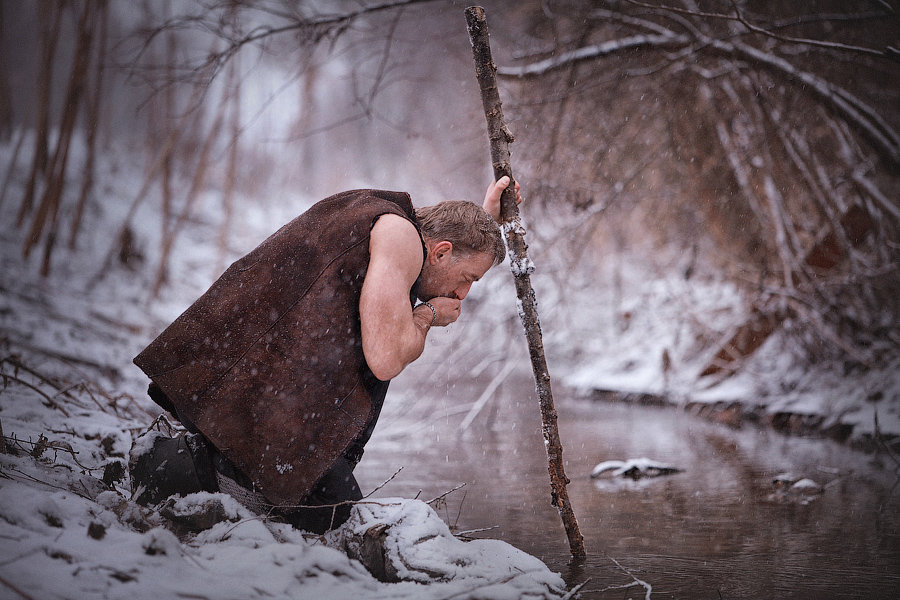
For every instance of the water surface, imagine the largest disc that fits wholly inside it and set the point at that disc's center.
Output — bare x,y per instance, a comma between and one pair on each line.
720,529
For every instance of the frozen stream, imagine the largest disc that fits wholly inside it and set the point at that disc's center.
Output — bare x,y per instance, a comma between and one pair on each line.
716,530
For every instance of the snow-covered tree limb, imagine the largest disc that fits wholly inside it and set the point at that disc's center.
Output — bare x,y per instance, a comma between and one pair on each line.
589,52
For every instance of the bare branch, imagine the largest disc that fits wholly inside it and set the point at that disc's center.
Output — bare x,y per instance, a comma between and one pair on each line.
889,52
445,494
647,587
886,203
11,586
521,266
590,52
384,483
316,28
853,109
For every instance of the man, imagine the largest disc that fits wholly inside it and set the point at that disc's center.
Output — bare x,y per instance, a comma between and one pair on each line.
280,369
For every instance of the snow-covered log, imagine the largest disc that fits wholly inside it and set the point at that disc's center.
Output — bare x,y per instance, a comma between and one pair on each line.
406,541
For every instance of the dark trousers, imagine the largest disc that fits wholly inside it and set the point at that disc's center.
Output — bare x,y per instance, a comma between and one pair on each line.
326,506
334,493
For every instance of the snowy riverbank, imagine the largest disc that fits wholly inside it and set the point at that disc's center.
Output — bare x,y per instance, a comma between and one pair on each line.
656,360
648,341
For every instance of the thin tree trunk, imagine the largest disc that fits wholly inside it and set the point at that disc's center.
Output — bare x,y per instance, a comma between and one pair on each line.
92,125
168,115
4,187
46,217
6,112
197,182
521,267
231,170
159,164
49,15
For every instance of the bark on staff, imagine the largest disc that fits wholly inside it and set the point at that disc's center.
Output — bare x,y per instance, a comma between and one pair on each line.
522,267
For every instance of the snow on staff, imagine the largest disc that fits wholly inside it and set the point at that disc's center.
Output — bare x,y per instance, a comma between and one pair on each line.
522,267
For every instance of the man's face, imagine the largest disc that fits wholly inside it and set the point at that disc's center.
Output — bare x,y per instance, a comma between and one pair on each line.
449,275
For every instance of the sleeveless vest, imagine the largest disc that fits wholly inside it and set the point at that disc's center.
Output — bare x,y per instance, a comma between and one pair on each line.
268,363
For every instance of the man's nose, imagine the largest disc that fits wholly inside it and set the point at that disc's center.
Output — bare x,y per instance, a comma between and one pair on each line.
462,291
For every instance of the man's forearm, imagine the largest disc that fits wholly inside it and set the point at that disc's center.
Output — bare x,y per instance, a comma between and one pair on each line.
395,349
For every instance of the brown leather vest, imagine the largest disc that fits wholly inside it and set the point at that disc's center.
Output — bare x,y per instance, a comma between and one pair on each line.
268,363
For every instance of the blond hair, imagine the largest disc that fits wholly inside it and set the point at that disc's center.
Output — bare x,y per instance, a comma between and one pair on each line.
465,225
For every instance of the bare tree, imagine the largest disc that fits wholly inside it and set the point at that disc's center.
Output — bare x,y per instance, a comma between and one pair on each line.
92,124
231,168
769,126
45,218
6,116
49,18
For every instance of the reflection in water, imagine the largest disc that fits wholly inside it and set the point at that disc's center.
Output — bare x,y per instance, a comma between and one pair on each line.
720,529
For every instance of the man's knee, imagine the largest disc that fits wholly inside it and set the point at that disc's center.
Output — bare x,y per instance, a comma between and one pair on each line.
337,485
329,503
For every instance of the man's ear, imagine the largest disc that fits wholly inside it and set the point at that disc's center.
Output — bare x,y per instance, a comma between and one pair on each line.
440,251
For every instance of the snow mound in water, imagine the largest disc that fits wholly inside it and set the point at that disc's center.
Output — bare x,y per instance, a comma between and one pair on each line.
634,468
402,540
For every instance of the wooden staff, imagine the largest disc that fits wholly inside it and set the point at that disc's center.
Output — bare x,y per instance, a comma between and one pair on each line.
522,267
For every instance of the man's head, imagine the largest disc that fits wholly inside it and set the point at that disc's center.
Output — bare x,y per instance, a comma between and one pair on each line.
463,242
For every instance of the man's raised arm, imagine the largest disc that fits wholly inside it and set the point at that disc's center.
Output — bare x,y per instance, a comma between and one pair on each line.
393,335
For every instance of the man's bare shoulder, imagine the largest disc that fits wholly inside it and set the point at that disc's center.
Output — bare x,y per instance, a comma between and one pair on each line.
392,235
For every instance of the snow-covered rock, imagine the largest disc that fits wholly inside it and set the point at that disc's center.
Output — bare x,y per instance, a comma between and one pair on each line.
790,488
634,468
796,484
785,480
806,486
405,540
201,510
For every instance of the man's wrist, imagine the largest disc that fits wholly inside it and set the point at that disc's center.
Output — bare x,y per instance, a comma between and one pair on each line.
433,313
